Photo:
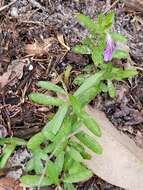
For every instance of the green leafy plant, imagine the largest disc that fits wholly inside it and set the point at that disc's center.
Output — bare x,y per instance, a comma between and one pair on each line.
103,45
60,148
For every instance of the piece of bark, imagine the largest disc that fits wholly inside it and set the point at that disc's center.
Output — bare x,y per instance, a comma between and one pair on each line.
135,5
121,163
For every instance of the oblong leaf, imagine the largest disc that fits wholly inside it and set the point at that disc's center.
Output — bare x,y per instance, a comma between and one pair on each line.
78,177
87,22
77,168
82,49
45,100
50,86
8,150
90,123
52,172
58,118
119,54
69,186
111,89
35,141
90,82
59,161
12,140
118,37
74,154
90,94
33,181
89,142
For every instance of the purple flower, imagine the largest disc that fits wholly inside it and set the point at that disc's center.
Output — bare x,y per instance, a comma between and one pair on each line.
110,48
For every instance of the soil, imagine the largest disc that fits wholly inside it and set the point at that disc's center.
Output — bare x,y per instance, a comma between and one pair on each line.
28,22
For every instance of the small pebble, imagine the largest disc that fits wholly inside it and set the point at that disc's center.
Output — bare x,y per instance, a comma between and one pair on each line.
30,67
14,12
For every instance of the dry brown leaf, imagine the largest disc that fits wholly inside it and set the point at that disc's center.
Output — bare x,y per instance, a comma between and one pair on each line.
9,184
16,68
4,79
121,163
39,49
60,38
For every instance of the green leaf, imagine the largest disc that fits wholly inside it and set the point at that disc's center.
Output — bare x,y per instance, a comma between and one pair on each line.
74,154
76,105
77,168
89,142
38,165
100,23
109,19
30,165
35,141
111,89
78,177
103,87
68,186
90,82
45,100
33,181
68,162
80,79
90,123
12,140
80,149
87,22
119,74
97,56
118,37
76,146
58,118
50,86
82,49
52,172
64,131
8,150
49,148
90,94
119,54
59,162
67,74
86,156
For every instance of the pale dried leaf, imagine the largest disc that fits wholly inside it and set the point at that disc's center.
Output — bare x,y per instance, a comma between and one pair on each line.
39,49
60,38
4,79
121,163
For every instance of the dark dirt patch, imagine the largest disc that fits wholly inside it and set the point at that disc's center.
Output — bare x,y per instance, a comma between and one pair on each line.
25,23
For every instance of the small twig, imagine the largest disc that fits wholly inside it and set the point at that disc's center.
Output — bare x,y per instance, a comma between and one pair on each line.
7,6
111,6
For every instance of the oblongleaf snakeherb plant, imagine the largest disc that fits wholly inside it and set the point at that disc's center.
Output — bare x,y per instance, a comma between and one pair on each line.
59,150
